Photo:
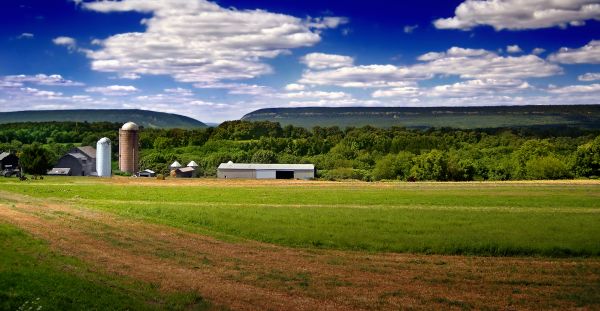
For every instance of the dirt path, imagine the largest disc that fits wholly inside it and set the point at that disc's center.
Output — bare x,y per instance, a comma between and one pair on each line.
257,276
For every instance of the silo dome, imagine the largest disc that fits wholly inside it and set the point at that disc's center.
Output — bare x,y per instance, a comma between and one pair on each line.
130,126
192,164
175,164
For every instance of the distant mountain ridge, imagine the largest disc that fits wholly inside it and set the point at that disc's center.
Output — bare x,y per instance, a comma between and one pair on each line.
581,116
146,118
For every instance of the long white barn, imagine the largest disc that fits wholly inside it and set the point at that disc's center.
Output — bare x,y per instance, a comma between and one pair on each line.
265,171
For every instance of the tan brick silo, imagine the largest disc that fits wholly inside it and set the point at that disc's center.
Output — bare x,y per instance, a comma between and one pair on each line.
129,153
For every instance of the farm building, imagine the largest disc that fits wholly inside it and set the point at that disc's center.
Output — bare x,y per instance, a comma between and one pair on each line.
8,161
185,172
266,171
146,173
81,161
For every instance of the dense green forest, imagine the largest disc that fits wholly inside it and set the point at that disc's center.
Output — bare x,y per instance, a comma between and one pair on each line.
581,116
365,153
144,118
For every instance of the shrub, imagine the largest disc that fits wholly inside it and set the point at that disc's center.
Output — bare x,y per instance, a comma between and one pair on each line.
546,168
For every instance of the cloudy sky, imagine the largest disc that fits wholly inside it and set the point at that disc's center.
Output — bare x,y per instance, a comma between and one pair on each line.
217,60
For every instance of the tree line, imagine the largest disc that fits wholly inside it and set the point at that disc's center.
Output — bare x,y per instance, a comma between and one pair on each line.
366,153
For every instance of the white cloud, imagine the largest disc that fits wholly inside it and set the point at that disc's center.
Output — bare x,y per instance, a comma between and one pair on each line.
590,76
407,91
588,54
513,49
179,91
313,95
321,61
590,88
294,87
25,35
410,28
39,79
113,90
198,41
521,14
468,88
538,51
456,61
65,41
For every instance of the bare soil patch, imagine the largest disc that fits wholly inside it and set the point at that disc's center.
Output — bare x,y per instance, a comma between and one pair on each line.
256,276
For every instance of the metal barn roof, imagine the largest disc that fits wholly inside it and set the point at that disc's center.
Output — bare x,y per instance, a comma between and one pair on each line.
59,171
257,166
4,155
186,169
88,150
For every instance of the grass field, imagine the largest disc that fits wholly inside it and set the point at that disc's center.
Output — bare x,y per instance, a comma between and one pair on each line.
500,219
32,276
299,245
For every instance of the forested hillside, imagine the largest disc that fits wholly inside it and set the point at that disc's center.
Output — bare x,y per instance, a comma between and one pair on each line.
583,116
365,153
141,117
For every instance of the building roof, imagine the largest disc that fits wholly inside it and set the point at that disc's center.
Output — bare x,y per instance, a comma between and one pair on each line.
104,141
88,151
175,164
192,164
186,169
256,166
76,155
3,155
59,171
130,126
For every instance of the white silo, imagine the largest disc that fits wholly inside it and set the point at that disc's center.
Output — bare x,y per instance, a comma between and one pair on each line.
103,163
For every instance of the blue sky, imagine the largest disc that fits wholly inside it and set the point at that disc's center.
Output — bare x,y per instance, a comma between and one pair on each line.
218,60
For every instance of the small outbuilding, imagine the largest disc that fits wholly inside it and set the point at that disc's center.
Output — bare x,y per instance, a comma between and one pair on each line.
146,173
185,172
60,171
8,161
80,160
265,171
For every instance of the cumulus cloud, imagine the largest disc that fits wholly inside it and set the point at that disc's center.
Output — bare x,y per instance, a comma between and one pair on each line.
198,41
325,61
294,87
590,88
513,49
468,88
25,35
314,95
520,14
113,90
456,61
590,76
588,54
538,51
68,42
39,79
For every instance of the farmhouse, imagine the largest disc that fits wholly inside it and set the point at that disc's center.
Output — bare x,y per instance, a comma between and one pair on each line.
8,161
81,161
265,171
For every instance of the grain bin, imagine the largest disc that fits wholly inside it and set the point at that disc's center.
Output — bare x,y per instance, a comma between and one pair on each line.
129,154
103,163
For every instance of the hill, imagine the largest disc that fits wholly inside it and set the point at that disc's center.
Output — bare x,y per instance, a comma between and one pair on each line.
581,116
146,118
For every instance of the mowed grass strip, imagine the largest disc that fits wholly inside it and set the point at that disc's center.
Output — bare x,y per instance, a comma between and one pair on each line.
34,277
443,218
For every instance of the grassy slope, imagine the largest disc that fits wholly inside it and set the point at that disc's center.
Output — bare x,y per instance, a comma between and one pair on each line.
32,276
489,219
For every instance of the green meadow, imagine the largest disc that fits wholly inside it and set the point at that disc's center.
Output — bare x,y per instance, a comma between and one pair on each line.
34,277
492,219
